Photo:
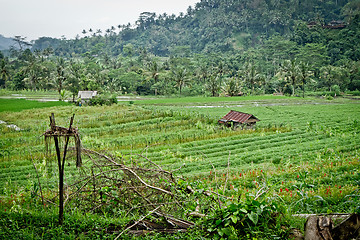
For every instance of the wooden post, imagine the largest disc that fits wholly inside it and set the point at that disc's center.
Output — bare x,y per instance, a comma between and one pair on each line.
56,133
61,172
61,164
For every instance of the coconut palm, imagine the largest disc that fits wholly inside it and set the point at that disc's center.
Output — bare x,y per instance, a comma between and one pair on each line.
291,71
4,72
180,76
60,75
34,71
252,76
154,70
304,73
214,83
332,75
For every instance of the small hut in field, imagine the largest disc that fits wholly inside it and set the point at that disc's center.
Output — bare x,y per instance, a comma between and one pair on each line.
85,96
237,119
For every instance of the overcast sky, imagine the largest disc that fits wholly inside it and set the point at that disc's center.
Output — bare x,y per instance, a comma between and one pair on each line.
54,18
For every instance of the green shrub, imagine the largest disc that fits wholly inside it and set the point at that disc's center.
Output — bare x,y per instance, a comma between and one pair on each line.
248,219
102,100
329,97
354,93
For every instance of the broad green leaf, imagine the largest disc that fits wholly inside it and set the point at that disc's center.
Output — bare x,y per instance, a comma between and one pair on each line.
243,210
253,217
234,219
218,221
227,231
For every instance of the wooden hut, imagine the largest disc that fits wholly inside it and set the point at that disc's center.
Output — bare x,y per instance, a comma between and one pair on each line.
85,96
238,119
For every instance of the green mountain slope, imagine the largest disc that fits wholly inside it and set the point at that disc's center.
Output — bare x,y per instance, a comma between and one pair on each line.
213,25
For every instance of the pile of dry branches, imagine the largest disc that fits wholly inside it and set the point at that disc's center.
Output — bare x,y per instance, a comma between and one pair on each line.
132,181
130,186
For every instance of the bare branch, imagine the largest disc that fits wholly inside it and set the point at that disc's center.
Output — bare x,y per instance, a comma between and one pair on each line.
137,222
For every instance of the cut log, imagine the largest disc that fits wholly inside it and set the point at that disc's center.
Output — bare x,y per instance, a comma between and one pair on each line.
321,228
331,215
325,226
347,229
318,228
295,234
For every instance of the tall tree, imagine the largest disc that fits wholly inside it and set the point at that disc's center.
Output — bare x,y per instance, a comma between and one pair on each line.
180,76
32,70
22,43
333,75
4,73
60,75
350,10
304,73
214,83
291,71
251,76
232,87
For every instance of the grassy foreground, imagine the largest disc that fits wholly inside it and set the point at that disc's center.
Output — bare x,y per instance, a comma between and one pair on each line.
305,153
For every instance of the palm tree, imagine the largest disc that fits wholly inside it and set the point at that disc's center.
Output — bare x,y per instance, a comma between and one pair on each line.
4,72
214,83
48,51
232,87
203,72
74,77
60,75
154,70
304,73
120,26
180,77
32,70
292,73
252,76
92,32
332,75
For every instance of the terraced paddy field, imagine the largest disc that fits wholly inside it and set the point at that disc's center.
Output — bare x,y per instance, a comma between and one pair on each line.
305,151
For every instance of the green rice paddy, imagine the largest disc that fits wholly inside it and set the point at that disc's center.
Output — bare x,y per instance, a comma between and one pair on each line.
303,149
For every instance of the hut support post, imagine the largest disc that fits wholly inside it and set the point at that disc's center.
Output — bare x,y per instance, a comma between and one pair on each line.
61,165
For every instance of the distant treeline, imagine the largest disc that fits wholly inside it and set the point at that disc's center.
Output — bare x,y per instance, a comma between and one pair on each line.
228,47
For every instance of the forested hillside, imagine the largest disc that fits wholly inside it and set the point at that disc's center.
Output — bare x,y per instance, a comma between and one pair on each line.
213,25
218,47
5,43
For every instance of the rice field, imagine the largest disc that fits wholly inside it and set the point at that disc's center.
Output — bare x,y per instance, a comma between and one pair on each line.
306,151
16,105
